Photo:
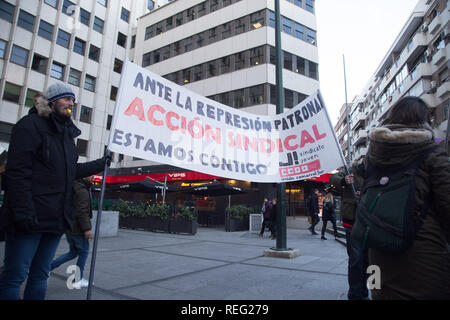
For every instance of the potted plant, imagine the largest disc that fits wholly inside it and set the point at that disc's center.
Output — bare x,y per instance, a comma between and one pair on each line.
237,218
127,214
184,221
158,217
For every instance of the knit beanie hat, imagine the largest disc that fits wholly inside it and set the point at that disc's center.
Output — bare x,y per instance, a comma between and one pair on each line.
59,90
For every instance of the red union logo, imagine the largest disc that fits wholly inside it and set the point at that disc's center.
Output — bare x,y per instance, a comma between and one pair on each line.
300,169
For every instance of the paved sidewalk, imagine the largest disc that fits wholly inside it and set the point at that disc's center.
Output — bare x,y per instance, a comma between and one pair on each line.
211,265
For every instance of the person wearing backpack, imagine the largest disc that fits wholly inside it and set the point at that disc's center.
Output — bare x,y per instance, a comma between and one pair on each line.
358,258
328,215
420,269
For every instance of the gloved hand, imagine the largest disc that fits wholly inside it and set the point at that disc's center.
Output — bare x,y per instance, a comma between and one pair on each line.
107,159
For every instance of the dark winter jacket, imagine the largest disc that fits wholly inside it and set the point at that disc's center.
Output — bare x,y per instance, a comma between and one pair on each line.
267,210
423,271
42,165
312,203
327,211
348,202
82,203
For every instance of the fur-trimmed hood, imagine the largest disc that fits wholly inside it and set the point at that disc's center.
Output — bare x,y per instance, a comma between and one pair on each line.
41,105
393,144
402,134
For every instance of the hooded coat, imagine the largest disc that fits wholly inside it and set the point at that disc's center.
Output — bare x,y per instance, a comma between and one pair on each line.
42,165
423,271
82,202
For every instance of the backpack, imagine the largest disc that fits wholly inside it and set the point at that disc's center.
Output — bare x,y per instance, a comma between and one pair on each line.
385,214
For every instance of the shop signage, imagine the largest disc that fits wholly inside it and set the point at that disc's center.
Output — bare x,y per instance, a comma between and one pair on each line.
158,120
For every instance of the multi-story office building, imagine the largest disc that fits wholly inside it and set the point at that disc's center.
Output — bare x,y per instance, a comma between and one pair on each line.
415,65
81,42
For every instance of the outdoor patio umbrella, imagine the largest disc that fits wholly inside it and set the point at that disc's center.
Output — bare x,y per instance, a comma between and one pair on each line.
215,189
142,186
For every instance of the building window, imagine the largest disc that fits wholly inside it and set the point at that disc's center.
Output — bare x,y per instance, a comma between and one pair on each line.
85,114
85,17
311,36
201,9
68,7
63,38
29,100
113,94
150,5
212,69
179,19
239,61
286,25
89,83
82,146
313,70
2,48
287,62
298,3
198,72
39,63
213,5
19,56
300,66
74,77
12,92
226,30
240,26
156,56
57,71
257,20
103,2
146,59
257,56
158,28
118,64
256,95
133,42
45,30
272,19
310,5
109,122
148,32
186,76
224,65
5,131
299,31
26,20
98,24
190,13
169,23
288,98
121,39
125,15
53,3
94,53
239,98
6,11
79,46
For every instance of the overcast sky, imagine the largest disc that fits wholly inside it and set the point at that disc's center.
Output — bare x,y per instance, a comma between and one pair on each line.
363,31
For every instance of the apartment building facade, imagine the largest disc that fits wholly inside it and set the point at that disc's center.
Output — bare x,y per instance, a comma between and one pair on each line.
415,65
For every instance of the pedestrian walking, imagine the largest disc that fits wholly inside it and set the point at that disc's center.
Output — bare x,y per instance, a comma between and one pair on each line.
267,207
358,259
38,209
312,203
328,214
422,271
79,237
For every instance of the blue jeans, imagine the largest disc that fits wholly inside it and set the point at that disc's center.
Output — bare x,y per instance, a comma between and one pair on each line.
27,255
79,247
358,261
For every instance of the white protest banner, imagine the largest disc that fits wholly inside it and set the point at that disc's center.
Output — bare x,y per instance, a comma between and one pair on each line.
158,120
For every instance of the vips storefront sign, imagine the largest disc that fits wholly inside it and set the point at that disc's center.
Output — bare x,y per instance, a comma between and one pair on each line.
157,120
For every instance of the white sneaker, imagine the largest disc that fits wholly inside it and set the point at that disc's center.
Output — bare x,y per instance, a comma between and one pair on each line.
83,283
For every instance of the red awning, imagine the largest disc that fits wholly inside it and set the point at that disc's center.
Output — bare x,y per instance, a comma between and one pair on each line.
323,178
173,176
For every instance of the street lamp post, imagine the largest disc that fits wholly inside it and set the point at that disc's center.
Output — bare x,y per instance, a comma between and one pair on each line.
281,187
